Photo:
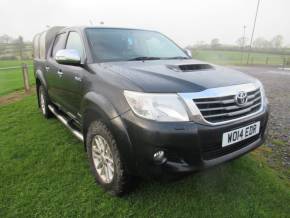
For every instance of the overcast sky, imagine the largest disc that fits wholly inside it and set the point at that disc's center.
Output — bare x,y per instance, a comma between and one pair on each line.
185,21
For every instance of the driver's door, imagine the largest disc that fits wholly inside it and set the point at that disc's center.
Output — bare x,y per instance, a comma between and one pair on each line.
72,76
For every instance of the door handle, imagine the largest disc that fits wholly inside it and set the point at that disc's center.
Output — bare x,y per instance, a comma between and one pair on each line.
59,73
77,78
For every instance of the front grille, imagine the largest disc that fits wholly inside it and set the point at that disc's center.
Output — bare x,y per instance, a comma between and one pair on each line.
220,109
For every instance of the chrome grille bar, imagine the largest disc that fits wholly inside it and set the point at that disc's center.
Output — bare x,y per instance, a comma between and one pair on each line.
217,106
228,108
233,113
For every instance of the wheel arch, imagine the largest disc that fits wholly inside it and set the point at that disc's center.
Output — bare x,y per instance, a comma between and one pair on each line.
97,107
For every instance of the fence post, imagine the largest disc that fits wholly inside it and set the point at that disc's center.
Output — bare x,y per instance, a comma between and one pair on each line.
25,77
284,62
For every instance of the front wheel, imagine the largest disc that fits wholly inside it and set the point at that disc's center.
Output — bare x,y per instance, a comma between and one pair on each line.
105,159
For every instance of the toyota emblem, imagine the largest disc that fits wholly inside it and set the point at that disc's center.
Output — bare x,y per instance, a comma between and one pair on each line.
241,98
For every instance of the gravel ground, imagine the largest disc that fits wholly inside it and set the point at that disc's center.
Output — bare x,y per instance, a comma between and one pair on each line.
277,86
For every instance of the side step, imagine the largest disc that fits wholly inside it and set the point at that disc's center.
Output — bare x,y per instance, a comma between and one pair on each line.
62,119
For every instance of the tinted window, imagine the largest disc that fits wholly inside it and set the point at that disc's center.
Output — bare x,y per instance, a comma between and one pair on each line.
58,43
74,42
125,44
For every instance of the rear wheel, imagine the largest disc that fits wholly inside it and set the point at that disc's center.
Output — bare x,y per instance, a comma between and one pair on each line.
105,159
43,102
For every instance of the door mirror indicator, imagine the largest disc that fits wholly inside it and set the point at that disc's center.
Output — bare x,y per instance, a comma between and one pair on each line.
68,57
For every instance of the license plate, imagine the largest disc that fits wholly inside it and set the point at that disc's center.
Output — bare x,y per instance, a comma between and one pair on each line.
240,134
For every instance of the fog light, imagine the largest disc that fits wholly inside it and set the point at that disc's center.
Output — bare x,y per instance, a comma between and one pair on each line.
159,156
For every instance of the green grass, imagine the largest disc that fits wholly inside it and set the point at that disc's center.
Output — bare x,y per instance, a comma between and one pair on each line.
44,172
13,63
234,57
12,79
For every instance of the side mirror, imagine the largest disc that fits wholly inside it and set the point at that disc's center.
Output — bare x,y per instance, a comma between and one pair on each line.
68,57
188,52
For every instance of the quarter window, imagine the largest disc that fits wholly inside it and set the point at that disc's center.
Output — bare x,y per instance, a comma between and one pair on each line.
58,43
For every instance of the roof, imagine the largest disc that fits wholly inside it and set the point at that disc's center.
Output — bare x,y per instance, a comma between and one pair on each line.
105,27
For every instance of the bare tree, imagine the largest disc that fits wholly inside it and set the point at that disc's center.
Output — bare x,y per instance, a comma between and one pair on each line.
2,51
5,39
242,41
20,46
277,42
261,42
200,44
215,43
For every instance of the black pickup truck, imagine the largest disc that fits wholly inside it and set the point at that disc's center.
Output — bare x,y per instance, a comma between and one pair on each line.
141,104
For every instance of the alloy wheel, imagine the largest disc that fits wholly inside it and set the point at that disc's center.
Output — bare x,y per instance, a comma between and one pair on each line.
103,159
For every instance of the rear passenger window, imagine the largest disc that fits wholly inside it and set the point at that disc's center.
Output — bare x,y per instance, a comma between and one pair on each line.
74,42
58,43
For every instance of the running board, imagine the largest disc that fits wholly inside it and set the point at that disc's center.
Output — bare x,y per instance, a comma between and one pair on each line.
62,119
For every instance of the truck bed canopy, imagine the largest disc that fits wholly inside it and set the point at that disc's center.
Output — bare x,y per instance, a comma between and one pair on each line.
43,40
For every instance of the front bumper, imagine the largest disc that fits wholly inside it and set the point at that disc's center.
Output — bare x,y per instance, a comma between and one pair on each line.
188,146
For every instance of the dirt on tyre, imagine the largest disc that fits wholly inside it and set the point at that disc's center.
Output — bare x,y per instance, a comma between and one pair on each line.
43,102
105,160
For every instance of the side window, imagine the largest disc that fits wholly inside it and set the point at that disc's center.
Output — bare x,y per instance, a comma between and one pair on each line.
74,42
58,43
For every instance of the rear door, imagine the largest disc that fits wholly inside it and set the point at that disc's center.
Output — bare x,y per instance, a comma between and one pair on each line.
72,76
53,76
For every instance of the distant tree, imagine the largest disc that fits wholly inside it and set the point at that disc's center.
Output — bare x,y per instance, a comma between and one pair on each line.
277,41
20,46
200,44
242,41
215,43
261,42
5,39
2,51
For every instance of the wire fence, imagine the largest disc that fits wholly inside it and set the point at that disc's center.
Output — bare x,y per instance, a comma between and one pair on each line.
15,51
13,78
235,57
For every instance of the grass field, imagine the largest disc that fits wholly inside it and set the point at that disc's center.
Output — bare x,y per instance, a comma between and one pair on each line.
44,173
13,63
12,80
235,57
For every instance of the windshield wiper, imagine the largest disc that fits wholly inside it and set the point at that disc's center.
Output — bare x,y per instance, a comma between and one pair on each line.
144,58
178,57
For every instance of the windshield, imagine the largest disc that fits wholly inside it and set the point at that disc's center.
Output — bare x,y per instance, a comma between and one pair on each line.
127,44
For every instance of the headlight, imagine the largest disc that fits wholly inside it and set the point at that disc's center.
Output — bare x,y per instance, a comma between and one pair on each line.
159,107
